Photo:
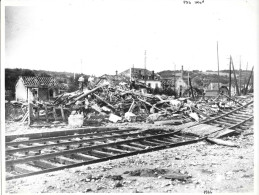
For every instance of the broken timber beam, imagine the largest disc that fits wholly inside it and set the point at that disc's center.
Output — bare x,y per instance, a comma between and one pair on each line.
232,99
85,93
200,112
148,104
191,88
108,104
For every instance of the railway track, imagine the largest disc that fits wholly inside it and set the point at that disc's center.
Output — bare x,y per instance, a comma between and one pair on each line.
238,119
33,154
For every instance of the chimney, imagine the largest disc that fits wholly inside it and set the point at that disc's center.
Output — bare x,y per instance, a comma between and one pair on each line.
153,75
116,72
182,73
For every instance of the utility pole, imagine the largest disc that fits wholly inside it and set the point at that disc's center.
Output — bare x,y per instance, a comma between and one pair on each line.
218,63
249,81
240,87
234,71
189,82
145,61
230,76
188,79
245,76
174,76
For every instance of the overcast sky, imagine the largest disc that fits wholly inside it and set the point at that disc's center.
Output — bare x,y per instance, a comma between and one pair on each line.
98,37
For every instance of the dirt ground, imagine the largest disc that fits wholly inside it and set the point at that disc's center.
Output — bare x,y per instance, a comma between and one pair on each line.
203,167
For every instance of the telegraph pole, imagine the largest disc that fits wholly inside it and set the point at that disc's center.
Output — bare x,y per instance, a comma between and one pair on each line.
240,87
174,76
245,76
230,76
145,64
218,63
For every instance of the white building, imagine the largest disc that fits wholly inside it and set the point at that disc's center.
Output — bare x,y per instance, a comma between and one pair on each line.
144,76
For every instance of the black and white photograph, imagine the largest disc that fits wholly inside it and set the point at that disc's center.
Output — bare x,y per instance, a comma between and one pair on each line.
126,96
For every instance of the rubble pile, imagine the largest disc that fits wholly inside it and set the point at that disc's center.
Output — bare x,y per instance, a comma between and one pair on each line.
118,103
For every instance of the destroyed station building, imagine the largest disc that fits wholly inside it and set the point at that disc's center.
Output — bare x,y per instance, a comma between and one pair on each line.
37,88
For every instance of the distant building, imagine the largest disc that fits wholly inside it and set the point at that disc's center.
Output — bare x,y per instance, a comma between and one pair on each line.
141,75
213,89
181,83
177,81
37,88
113,79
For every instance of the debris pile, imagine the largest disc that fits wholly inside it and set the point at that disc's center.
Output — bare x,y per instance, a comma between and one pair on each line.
118,103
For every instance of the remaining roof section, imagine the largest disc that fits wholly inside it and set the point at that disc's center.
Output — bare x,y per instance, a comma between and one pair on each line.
39,81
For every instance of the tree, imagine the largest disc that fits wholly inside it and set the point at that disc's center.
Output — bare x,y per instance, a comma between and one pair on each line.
44,74
27,72
170,92
156,91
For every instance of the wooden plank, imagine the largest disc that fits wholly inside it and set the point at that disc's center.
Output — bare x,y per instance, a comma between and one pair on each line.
138,145
62,113
65,160
230,122
115,150
201,130
7,174
149,142
84,157
169,122
133,148
169,140
38,113
54,113
47,113
223,133
233,119
218,121
24,168
161,141
100,153
237,116
30,113
45,164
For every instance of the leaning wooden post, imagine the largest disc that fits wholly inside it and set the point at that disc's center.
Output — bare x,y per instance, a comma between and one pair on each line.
38,113
237,88
249,80
54,113
230,76
191,88
232,99
46,111
30,113
62,113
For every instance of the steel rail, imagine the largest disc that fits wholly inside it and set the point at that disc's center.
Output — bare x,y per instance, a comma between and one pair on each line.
65,137
228,113
85,149
8,151
115,144
151,149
